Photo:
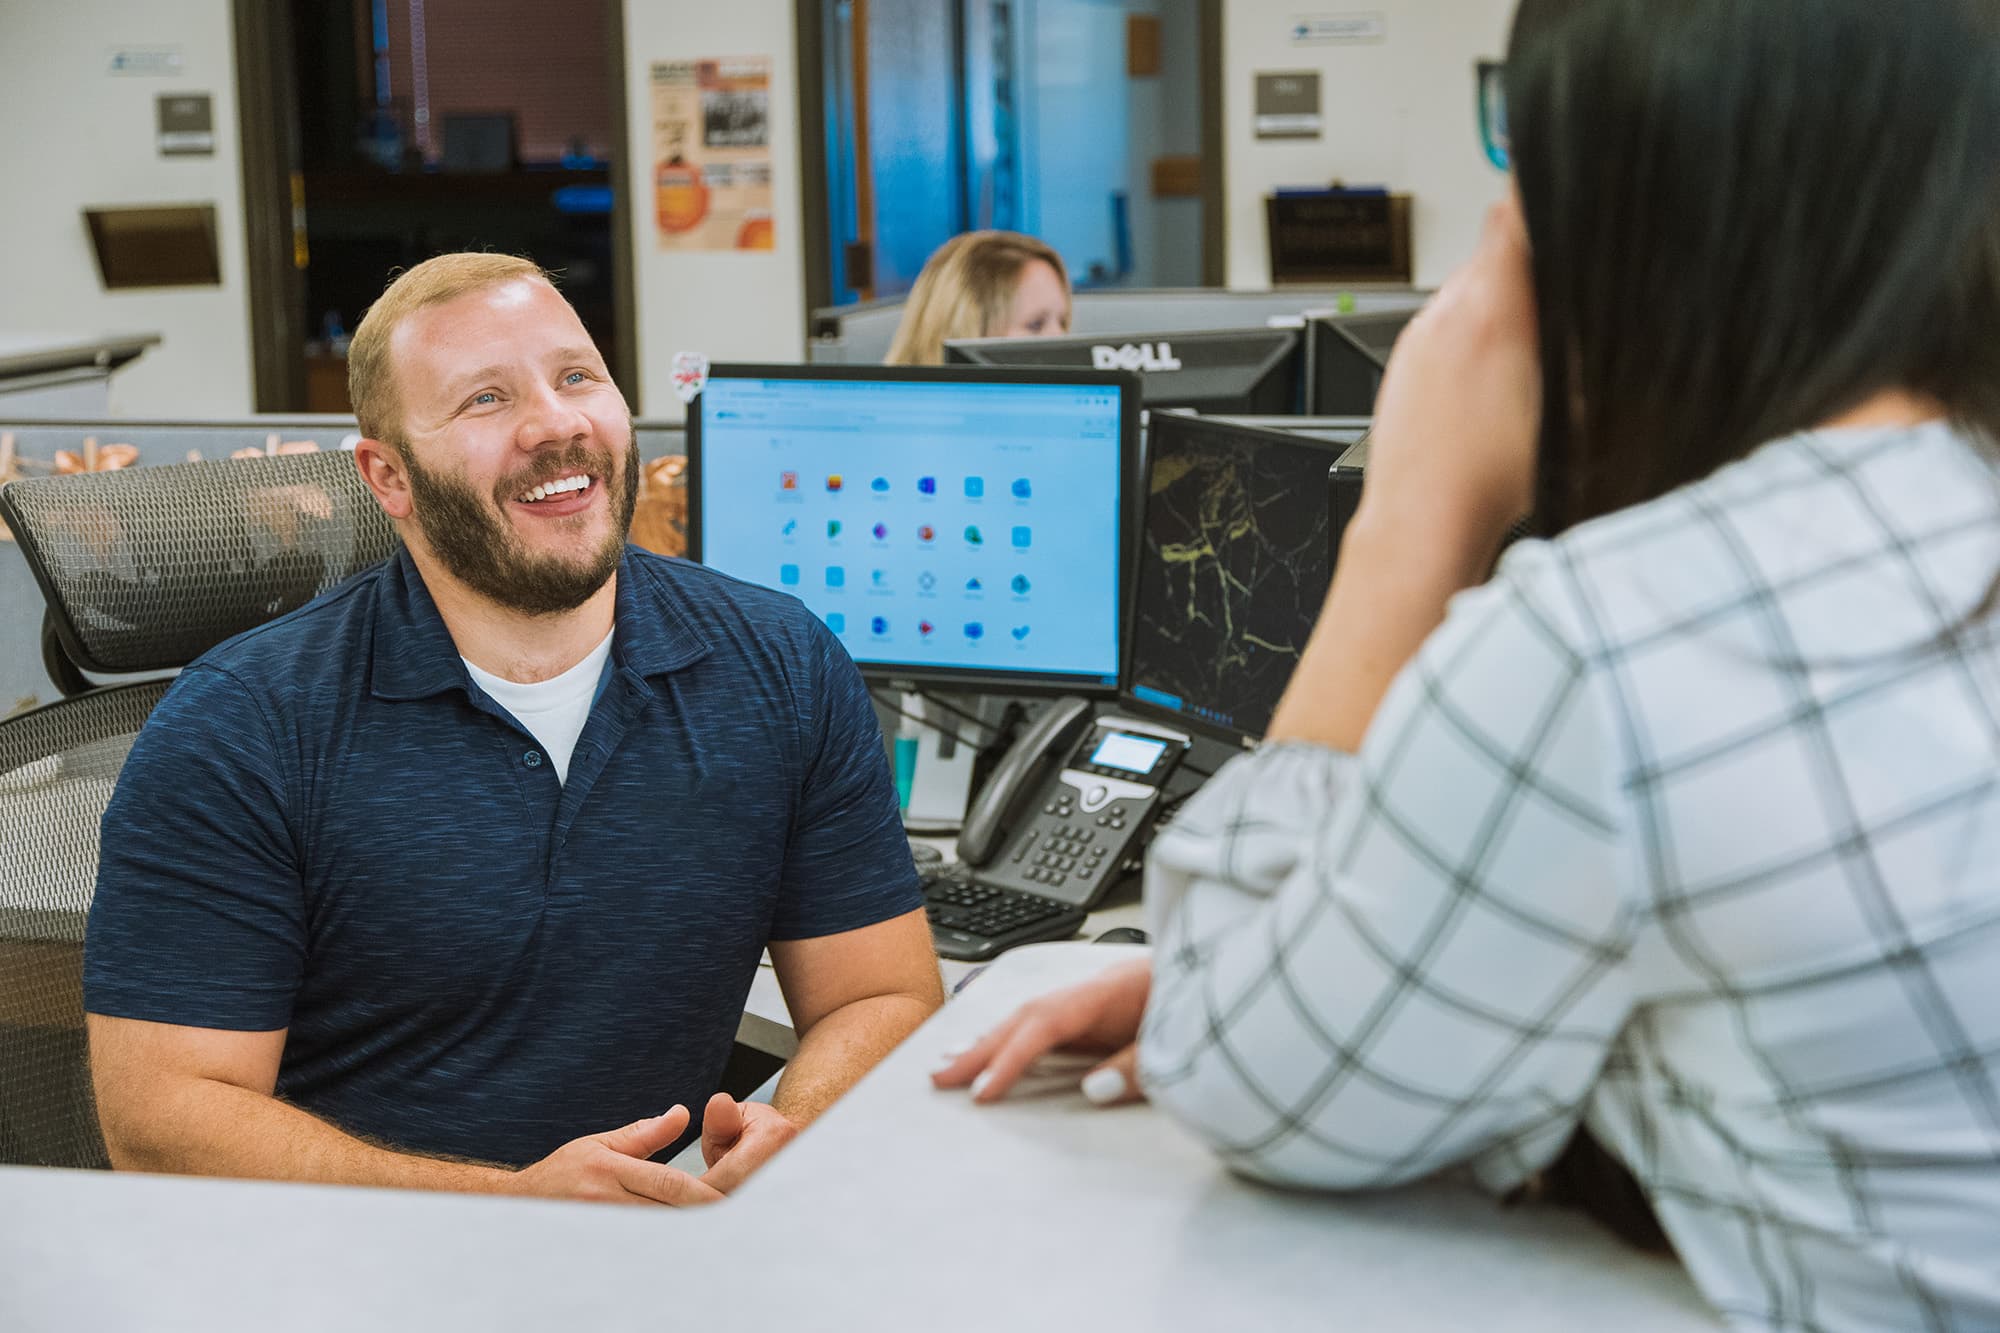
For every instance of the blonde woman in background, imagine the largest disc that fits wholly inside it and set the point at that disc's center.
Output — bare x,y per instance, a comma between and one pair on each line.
982,284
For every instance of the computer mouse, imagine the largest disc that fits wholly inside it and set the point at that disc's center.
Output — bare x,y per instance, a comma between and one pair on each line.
1121,935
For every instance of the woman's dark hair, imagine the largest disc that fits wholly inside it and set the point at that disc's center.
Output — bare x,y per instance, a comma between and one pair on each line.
1748,216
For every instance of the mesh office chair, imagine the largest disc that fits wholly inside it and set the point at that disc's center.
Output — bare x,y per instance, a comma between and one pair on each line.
143,571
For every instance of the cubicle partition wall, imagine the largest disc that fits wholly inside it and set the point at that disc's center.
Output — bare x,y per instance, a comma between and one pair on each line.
44,446
861,334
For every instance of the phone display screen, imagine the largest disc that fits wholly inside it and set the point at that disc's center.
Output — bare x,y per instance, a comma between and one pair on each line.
1134,754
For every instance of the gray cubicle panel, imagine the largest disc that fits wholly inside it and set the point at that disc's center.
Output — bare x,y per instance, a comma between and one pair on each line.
861,334
22,675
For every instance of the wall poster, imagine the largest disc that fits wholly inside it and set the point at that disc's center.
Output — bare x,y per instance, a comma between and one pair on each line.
712,154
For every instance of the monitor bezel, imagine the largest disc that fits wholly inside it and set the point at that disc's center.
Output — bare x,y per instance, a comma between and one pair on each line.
1298,350
1127,698
1130,477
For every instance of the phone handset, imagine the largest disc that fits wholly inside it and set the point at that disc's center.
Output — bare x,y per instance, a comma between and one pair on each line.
1018,776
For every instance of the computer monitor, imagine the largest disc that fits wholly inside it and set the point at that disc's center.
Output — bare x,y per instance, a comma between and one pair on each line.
1347,354
1255,370
1343,431
960,527
1232,570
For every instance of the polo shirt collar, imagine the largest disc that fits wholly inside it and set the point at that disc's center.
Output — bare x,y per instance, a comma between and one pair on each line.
414,655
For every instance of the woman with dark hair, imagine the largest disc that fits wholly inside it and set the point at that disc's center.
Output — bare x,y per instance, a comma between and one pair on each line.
1684,828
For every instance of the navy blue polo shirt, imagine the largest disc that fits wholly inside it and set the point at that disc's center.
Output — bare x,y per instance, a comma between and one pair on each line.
326,826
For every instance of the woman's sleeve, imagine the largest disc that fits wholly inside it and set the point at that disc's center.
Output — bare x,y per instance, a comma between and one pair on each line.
1368,968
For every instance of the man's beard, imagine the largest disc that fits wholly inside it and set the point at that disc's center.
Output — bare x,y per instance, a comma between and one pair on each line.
475,541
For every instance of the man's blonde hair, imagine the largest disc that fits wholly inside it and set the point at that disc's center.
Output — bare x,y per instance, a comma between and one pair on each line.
371,379
966,291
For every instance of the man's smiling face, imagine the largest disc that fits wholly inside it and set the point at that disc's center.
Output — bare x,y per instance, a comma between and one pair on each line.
522,462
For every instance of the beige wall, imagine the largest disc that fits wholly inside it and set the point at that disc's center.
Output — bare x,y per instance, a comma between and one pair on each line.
1399,113
74,134
729,307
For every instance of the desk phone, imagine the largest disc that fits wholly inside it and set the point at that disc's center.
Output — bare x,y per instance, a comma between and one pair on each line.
1064,813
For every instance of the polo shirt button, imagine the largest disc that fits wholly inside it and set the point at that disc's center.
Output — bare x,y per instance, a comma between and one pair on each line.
533,759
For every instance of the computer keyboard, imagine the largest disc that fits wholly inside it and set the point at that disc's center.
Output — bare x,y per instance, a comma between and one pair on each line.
973,921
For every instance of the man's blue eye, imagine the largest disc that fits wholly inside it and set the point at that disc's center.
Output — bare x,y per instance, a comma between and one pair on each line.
575,376
485,397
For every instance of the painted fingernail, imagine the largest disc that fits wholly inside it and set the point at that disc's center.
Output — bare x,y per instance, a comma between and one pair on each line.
980,1084
1104,1086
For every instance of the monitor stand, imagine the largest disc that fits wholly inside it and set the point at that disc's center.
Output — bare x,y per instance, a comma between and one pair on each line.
942,784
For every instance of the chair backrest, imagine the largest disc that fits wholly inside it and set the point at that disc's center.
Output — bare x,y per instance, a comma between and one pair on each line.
58,765
142,570
146,569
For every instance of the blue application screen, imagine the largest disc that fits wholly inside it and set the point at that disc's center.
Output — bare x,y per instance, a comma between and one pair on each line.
930,525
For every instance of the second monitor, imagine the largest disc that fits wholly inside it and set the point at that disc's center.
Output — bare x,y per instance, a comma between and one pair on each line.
1347,355
1232,571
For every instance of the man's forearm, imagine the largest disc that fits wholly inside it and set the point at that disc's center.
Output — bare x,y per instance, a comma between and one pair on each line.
198,1126
843,1046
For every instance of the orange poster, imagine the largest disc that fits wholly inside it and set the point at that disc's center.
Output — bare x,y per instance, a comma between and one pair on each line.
712,154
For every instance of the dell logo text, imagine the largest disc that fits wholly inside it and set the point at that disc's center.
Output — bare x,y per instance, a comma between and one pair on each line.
1135,357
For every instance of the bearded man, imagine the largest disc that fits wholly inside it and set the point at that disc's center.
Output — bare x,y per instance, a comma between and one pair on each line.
457,877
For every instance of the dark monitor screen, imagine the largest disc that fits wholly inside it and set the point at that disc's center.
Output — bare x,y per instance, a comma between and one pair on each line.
960,527
1258,370
1349,353
1232,570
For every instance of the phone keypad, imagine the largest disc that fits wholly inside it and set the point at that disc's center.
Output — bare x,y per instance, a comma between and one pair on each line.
1065,850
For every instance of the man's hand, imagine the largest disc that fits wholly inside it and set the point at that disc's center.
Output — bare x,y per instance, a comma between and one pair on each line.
737,1138
612,1168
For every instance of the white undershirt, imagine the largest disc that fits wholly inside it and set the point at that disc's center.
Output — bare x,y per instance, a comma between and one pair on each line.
553,710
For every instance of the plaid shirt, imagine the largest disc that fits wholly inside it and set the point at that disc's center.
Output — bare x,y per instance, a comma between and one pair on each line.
1687,828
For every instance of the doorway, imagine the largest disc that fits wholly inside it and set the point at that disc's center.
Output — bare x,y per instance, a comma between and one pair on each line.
378,133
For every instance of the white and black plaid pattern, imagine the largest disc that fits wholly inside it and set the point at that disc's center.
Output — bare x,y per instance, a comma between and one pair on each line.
1686,827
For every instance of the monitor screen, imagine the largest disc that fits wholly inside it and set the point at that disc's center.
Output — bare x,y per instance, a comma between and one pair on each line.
1232,570
1259,370
957,527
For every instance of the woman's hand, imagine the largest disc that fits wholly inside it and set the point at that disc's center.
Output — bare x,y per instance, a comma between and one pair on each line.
1451,464
1459,415
1096,1016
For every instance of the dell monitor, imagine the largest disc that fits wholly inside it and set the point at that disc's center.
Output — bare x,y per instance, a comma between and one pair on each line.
1347,355
951,527
1255,371
1232,571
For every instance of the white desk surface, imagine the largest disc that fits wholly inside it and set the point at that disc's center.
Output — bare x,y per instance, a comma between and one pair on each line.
902,1209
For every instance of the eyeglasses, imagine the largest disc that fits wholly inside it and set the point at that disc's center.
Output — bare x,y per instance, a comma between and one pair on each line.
1490,78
